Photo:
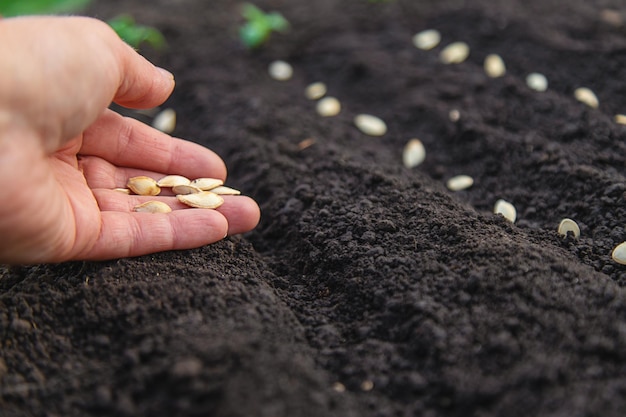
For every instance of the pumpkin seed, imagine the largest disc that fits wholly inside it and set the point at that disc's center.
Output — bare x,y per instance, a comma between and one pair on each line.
586,96
537,81
427,39
122,190
223,190
204,199
185,189
173,180
620,118
414,153
460,182
568,225
280,70
494,66
315,91
153,207
206,184
454,115
143,185
165,121
328,107
455,53
619,253
370,125
506,209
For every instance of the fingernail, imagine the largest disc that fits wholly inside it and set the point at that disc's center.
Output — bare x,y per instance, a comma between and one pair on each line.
166,74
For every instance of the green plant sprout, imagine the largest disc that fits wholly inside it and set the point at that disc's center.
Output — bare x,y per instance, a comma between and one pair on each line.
260,25
123,25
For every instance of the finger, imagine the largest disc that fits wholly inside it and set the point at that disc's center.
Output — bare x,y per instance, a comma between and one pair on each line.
127,142
135,234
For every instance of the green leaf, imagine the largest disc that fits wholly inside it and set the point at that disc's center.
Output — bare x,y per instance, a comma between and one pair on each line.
135,35
10,8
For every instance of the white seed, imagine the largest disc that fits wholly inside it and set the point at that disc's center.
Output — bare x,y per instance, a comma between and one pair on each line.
222,190
454,115
206,184
339,387
370,125
328,107
414,153
455,53
537,82
494,66
153,207
427,39
122,190
620,118
165,121
280,70
143,186
619,253
204,199
173,180
460,182
568,225
586,96
185,189
315,91
506,209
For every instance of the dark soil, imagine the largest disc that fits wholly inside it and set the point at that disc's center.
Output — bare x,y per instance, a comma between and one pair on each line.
417,300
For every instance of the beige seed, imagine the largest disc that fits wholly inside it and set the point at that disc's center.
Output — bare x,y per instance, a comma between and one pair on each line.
206,184
586,96
414,153
460,182
455,53
454,115
280,70
494,66
165,121
315,91
173,180
367,385
370,125
185,189
620,119
222,190
143,186
153,207
568,225
122,190
619,253
427,39
537,82
506,209
612,17
204,199
328,107
339,387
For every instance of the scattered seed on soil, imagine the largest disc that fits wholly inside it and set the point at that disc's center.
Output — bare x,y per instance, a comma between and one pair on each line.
460,182
427,39
537,82
370,125
612,17
455,53
165,121
306,143
153,207
367,385
586,96
619,253
206,184
223,190
620,118
280,70
339,387
414,153
494,66
143,185
454,115
568,225
204,199
186,189
315,91
173,180
122,190
506,209
328,107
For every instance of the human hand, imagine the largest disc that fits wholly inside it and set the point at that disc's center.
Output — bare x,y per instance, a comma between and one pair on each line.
62,151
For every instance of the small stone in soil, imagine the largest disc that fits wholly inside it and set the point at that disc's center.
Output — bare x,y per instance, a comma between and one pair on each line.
280,70
427,39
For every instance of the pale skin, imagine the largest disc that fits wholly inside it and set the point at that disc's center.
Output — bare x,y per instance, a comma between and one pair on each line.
62,151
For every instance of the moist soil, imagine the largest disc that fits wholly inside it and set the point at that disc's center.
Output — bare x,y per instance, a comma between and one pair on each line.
368,289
